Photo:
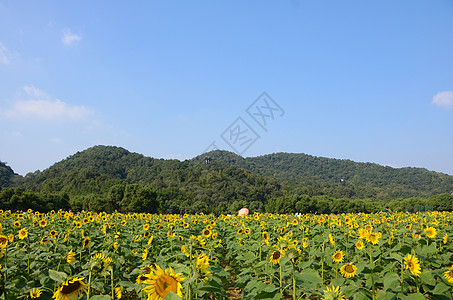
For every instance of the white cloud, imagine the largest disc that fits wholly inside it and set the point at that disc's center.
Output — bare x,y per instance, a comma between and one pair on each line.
33,91
6,55
69,38
14,134
444,99
42,107
57,140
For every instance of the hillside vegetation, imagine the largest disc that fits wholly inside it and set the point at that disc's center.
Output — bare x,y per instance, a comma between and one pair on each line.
112,178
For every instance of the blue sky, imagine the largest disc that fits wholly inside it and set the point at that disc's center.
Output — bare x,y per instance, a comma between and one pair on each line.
369,81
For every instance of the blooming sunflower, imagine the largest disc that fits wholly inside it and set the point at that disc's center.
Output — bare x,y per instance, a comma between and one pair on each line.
275,257
449,274
3,241
44,240
331,240
23,233
348,270
445,238
71,289
332,293
431,232
86,242
202,262
118,292
70,257
359,245
43,223
35,293
162,282
142,278
206,233
53,234
145,254
373,237
338,256
412,264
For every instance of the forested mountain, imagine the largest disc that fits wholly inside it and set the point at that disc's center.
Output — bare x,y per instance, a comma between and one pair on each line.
7,175
107,177
112,178
340,177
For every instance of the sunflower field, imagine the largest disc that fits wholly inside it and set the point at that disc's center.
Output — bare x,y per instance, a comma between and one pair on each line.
67,256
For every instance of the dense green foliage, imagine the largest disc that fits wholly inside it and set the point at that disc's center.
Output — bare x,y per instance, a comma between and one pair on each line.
7,175
111,178
323,176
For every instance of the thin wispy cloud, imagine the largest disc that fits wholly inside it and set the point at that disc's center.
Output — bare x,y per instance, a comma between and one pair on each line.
6,55
444,99
44,108
57,140
34,92
70,38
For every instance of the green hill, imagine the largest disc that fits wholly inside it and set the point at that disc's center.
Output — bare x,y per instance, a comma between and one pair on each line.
111,178
114,178
339,177
7,175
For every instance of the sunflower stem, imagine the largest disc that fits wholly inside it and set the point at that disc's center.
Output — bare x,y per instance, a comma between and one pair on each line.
402,277
294,282
111,283
89,286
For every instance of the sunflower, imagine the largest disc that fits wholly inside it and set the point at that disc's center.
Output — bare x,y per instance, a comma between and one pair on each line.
305,242
3,241
331,240
431,232
362,233
86,242
348,270
202,262
146,226
184,250
206,233
338,256
44,240
142,278
240,231
71,289
449,274
161,283
359,245
70,257
333,293
412,264
35,293
445,238
275,257
118,292
43,223
77,224
145,254
17,224
373,237
53,234
23,233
